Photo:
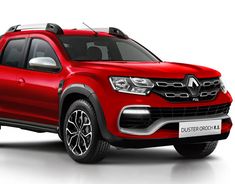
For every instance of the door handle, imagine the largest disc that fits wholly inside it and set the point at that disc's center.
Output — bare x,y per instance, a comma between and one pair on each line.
21,81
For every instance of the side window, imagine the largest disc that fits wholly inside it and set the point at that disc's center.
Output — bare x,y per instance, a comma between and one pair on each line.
41,48
13,54
100,48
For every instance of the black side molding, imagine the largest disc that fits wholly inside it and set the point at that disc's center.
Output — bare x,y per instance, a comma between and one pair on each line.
32,126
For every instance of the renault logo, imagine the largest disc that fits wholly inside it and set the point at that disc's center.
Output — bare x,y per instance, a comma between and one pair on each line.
193,85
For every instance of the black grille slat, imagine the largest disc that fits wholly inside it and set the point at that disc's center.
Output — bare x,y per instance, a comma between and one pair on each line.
191,111
157,113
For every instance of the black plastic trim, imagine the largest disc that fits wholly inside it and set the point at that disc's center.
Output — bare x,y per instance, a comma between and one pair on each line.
143,143
26,125
117,32
54,28
13,29
26,52
85,90
60,87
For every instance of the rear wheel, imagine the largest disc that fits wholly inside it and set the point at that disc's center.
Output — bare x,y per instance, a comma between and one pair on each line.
197,150
81,135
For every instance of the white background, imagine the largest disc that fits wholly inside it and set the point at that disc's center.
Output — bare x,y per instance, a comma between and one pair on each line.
192,31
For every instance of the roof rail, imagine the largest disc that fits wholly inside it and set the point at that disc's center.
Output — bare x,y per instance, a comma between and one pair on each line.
117,32
111,30
54,28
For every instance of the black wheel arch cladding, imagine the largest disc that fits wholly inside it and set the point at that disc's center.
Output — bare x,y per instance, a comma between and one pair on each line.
84,90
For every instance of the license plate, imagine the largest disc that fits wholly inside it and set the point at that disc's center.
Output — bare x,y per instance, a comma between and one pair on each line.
199,128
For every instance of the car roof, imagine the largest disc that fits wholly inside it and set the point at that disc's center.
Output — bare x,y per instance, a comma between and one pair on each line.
69,32
84,32
56,29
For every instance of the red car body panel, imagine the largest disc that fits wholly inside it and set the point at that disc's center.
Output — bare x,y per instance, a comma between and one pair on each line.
33,96
101,71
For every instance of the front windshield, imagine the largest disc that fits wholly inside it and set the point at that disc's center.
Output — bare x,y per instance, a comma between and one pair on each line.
97,48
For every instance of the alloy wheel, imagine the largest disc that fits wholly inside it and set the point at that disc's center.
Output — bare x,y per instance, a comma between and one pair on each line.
78,132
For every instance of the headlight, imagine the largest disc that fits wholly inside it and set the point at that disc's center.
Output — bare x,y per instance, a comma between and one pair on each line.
222,87
139,86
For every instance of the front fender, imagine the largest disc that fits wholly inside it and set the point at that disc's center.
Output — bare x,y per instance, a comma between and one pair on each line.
85,90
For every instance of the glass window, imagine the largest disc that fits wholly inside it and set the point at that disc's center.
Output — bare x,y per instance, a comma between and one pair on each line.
103,49
13,54
91,48
129,52
41,48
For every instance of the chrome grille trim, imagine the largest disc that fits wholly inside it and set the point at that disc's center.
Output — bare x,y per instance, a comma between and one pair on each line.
211,83
177,90
168,84
179,95
129,121
163,121
210,93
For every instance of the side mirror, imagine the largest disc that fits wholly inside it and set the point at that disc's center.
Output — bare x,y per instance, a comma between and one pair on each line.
43,64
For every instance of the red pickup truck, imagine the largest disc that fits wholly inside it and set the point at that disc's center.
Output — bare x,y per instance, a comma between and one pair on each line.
96,88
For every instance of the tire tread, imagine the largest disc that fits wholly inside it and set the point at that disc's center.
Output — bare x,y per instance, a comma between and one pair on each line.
100,147
199,150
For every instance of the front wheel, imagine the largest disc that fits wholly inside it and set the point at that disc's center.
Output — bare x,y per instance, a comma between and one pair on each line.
81,135
197,150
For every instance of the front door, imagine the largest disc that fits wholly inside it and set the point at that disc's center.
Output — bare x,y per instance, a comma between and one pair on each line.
37,90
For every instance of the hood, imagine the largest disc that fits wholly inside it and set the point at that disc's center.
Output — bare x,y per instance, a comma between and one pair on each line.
147,69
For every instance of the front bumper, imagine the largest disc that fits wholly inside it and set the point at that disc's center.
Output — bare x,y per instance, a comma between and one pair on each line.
161,124
115,102
144,143
165,131
172,124
145,120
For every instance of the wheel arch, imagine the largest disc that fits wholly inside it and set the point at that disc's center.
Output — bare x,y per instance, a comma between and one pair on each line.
82,91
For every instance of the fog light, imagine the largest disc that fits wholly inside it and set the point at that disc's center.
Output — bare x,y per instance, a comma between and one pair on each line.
136,111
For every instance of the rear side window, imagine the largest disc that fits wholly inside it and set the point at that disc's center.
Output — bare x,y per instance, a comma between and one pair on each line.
13,54
41,48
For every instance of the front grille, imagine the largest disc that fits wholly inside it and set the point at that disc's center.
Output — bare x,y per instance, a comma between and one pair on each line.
176,90
157,113
143,121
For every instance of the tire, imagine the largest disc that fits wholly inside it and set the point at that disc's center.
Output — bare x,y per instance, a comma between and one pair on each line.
82,139
61,137
197,150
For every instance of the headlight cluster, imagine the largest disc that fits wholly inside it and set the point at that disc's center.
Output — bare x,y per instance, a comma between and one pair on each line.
222,86
139,86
